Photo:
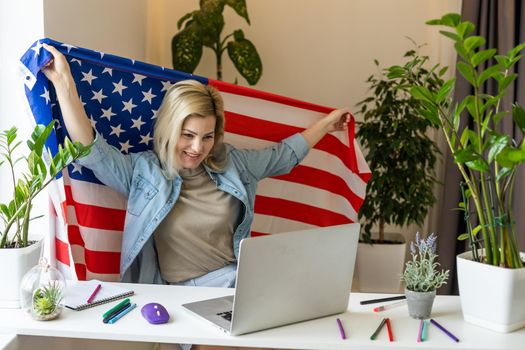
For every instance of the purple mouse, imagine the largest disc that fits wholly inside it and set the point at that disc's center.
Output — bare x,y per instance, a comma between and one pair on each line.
155,313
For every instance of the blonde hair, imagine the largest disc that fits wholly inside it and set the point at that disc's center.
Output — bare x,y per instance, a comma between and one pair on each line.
184,99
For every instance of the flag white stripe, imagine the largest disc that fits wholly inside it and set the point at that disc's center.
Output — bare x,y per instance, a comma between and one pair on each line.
108,277
315,158
362,166
95,194
275,112
58,196
95,238
68,272
273,224
60,230
308,195
78,252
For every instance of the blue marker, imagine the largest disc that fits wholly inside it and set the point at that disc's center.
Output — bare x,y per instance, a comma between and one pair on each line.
122,313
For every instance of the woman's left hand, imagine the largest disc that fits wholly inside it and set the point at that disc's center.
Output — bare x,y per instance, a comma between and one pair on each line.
338,120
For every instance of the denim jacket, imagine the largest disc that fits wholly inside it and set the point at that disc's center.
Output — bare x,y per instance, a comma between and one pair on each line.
151,196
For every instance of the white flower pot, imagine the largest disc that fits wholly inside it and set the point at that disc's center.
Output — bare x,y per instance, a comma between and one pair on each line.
379,266
14,263
491,296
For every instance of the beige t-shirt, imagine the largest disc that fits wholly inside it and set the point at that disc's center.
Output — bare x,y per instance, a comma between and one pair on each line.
196,237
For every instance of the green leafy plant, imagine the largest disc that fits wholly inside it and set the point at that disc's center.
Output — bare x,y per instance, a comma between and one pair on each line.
16,214
203,28
422,273
486,157
400,154
46,299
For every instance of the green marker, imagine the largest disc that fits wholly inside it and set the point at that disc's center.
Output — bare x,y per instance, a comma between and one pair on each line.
424,331
116,307
373,336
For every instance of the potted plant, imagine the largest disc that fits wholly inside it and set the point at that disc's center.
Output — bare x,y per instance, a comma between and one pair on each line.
402,159
422,277
17,252
491,275
203,28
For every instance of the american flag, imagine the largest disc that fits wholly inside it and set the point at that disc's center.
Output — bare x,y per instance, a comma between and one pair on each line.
121,97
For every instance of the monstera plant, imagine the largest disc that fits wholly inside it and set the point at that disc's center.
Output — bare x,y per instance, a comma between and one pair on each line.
203,28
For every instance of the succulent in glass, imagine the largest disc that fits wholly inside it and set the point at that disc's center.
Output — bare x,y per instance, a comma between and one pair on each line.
42,291
47,300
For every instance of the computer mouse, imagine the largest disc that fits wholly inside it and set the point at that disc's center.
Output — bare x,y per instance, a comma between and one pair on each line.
155,313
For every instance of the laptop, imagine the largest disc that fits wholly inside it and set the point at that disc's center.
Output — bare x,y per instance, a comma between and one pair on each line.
286,278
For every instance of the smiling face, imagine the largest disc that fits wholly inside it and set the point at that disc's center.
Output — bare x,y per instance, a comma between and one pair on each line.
196,141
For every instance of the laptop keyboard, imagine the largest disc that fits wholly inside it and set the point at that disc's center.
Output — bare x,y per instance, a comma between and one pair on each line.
227,315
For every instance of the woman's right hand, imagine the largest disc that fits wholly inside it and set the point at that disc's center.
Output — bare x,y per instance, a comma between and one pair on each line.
57,70
76,121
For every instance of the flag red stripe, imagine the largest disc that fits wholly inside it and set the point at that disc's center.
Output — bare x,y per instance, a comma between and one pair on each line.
245,91
258,234
74,236
102,262
298,211
96,217
62,251
271,131
258,128
81,271
321,179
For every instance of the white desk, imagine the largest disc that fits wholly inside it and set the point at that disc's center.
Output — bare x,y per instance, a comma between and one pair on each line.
8,341
359,322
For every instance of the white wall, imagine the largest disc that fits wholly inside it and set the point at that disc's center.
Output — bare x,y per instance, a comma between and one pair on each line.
21,23
111,26
321,51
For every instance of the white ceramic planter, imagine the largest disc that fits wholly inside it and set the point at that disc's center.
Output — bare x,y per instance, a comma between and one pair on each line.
491,296
14,263
379,266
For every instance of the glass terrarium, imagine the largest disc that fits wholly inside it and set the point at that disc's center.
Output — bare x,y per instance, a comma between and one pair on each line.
42,291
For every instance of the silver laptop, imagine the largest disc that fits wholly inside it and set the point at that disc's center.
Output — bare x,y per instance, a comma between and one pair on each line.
286,278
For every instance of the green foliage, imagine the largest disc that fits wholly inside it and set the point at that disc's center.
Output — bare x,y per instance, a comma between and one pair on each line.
487,158
400,154
15,215
422,272
203,28
46,299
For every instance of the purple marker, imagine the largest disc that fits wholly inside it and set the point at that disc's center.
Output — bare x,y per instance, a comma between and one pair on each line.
452,336
341,330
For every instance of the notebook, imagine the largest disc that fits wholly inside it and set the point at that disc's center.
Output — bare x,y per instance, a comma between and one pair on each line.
286,278
78,292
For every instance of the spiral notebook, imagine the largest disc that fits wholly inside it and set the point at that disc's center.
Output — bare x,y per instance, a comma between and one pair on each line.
78,292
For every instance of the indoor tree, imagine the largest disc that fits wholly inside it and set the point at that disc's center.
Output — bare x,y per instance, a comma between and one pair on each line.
399,152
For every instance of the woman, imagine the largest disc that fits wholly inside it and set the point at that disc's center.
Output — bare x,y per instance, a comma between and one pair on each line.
190,200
